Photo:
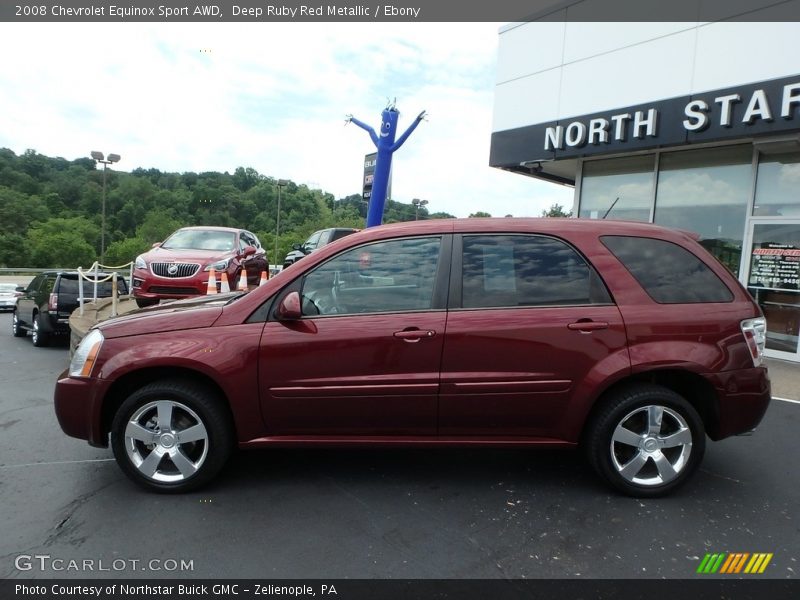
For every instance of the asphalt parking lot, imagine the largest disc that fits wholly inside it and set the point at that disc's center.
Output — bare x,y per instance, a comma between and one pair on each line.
463,513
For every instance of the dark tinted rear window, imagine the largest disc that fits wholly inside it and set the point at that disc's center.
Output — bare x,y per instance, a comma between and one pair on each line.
669,273
70,286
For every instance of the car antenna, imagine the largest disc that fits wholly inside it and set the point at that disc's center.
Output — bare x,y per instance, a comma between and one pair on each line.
610,207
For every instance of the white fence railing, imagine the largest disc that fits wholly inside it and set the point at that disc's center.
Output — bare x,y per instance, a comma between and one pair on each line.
86,275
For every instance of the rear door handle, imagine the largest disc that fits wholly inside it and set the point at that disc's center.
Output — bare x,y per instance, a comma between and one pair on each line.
587,325
414,335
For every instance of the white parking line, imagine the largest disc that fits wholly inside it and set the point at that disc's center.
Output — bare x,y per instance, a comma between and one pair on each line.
786,400
58,462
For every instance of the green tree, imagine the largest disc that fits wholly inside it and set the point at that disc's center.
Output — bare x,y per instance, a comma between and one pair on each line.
124,251
479,214
62,242
556,210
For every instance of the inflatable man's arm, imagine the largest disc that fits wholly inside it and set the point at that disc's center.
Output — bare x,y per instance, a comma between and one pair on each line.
408,132
365,127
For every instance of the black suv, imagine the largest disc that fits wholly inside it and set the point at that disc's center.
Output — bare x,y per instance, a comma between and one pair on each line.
48,301
316,240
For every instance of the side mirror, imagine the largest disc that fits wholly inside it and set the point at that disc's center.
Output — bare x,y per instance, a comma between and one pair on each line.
249,251
289,307
298,247
156,245
20,288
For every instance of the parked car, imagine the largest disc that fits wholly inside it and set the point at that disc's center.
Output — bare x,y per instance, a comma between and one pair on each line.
50,298
627,339
180,266
316,240
9,292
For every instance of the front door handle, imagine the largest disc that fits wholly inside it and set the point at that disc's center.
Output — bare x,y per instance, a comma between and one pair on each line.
414,335
587,325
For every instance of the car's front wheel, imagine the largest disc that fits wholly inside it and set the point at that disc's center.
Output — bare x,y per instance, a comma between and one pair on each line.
646,440
172,436
16,326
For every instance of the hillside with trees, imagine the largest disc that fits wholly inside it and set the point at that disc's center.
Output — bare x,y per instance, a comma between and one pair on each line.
51,209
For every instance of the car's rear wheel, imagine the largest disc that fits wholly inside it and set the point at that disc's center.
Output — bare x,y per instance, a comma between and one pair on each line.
172,436
16,326
646,440
38,335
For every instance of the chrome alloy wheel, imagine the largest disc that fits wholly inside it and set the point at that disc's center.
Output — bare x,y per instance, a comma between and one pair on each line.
166,441
651,445
36,334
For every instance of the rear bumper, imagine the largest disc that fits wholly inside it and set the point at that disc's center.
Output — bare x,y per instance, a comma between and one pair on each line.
78,407
743,398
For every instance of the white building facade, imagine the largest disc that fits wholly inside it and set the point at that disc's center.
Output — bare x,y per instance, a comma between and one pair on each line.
691,125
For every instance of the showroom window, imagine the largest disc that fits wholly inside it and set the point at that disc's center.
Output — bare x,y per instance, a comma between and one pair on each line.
777,185
618,188
526,270
391,276
707,191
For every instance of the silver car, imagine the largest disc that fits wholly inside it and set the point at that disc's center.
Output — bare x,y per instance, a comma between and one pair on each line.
8,296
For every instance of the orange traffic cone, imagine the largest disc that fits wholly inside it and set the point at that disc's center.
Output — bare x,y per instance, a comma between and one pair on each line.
243,281
224,287
263,278
212,282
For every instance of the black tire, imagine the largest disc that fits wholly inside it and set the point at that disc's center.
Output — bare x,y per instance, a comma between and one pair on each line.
182,466
38,335
664,440
16,327
145,302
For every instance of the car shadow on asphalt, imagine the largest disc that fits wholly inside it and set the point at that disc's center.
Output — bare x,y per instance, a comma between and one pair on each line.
413,467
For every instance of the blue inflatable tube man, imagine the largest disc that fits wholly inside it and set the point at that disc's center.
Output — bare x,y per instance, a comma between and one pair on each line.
386,144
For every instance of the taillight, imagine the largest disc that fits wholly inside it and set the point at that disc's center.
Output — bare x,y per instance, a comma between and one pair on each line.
52,304
755,334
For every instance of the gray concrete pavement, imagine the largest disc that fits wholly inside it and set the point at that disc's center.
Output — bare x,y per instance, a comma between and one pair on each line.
463,513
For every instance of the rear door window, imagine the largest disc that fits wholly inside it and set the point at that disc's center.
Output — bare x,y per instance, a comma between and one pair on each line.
526,270
669,273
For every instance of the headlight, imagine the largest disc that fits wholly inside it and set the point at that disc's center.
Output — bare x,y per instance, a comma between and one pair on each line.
84,357
220,265
139,263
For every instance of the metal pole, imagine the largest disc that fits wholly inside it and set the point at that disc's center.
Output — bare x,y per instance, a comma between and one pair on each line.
103,226
80,289
277,227
114,295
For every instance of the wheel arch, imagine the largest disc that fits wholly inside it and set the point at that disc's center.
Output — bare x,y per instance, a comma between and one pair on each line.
693,387
128,383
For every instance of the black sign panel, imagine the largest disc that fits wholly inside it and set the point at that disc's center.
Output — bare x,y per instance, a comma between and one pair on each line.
369,173
757,109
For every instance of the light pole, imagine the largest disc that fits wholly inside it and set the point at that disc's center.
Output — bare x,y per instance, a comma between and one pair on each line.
417,204
281,183
112,158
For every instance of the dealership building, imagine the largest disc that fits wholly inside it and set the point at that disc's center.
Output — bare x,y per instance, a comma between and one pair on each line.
692,125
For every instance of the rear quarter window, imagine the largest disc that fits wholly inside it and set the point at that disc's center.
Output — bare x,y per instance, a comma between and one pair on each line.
669,273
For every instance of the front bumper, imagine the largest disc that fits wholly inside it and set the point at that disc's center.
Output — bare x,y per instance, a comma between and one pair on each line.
78,406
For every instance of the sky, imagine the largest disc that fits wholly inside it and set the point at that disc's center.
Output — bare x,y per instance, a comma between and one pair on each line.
272,96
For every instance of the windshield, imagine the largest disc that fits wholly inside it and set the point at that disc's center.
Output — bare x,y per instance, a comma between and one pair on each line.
200,239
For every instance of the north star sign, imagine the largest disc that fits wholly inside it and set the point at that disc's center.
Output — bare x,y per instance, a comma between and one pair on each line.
751,110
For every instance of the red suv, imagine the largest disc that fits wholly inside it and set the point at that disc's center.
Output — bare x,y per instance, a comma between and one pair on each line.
625,338
179,267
